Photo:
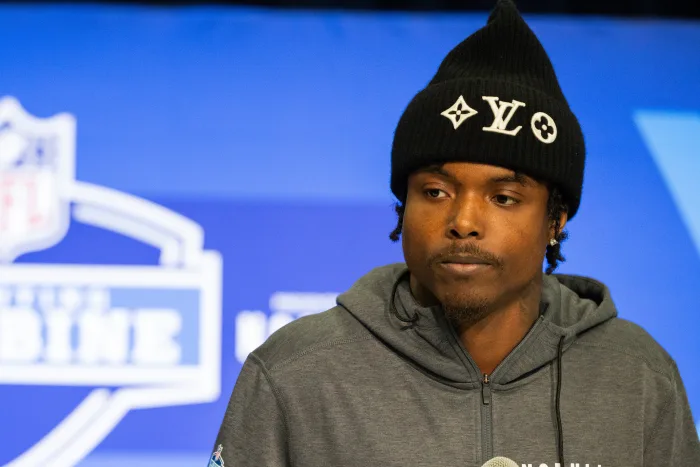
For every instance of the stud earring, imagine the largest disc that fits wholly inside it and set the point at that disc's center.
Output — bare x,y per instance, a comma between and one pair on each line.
553,241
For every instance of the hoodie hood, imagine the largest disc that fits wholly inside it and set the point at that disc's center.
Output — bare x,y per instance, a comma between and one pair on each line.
571,305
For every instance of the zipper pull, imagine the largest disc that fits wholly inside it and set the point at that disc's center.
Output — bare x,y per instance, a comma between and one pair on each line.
485,390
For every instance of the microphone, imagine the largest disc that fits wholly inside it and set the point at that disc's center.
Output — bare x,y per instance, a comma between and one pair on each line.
500,462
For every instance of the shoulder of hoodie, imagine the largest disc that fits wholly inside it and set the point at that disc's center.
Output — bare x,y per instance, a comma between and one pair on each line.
624,340
308,335
331,328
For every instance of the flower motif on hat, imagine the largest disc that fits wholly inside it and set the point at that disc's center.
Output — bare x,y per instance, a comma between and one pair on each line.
459,112
543,127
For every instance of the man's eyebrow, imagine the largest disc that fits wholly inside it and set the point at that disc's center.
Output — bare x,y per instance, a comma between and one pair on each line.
435,169
515,177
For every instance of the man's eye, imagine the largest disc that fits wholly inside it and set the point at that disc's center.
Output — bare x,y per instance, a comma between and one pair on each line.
506,200
435,193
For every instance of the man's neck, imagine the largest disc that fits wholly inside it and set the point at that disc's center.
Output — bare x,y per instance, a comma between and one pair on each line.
490,340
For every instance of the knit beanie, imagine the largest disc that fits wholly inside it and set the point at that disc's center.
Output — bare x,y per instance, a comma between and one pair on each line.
495,100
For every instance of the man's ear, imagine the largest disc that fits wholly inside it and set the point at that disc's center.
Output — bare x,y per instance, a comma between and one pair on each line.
563,218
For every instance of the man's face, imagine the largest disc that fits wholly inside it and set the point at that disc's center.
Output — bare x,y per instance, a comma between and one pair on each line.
474,236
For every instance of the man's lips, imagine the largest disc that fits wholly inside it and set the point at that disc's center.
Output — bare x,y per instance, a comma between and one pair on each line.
464,265
465,259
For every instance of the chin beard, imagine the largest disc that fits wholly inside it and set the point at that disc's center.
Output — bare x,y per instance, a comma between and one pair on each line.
465,311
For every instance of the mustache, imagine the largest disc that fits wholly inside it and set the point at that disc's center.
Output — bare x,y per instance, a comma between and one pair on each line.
465,249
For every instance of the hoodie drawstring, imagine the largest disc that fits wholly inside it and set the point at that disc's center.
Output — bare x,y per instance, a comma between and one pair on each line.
394,311
560,432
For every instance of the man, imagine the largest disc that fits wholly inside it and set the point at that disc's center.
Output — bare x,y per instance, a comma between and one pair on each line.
469,351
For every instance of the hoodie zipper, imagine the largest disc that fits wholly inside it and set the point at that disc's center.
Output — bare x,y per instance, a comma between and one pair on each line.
486,437
486,406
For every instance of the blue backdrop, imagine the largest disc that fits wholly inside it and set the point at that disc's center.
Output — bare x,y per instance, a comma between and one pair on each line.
271,131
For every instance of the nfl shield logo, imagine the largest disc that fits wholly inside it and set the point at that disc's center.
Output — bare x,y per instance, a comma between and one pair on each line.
37,169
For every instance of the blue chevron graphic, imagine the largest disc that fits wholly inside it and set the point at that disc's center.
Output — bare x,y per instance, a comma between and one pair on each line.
673,139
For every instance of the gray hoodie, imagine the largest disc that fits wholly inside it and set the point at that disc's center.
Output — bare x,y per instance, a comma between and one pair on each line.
355,386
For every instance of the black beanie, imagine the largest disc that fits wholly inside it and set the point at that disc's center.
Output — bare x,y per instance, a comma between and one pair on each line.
494,100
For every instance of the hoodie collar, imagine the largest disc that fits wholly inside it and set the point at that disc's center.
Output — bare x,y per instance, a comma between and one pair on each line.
572,305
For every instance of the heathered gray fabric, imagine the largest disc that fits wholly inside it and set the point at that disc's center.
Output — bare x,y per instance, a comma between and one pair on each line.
354,386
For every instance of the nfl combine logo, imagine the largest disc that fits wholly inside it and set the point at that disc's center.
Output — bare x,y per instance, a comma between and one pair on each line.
136,336
216,459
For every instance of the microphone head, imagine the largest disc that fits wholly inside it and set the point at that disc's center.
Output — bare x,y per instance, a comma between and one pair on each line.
500,462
